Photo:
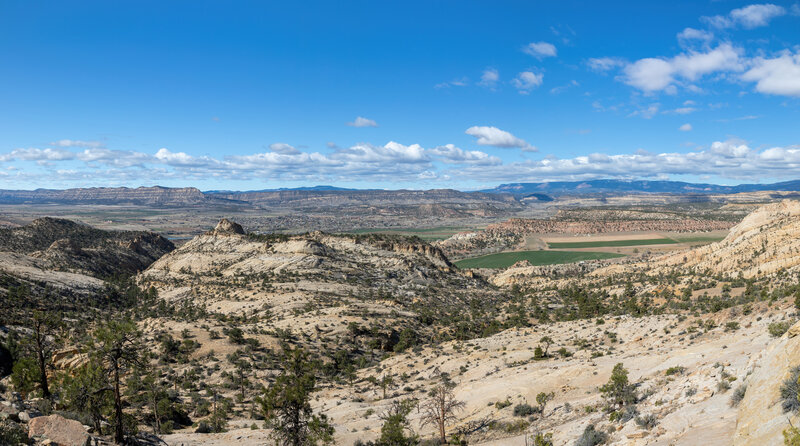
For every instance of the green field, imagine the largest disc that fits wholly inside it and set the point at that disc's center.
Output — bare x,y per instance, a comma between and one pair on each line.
506,259
438,233
607,243
698,239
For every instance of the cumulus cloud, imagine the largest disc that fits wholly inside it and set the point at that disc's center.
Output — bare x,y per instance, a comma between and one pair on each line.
748,17
527,81
391,163
493,136
38,155
362,122
654,74
685,127
779,76
489,78
729,159
451,154
540,50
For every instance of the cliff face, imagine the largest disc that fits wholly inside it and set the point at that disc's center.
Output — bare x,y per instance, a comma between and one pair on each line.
152,196
369,197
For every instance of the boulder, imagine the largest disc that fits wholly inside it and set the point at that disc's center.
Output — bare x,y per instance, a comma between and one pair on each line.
58,431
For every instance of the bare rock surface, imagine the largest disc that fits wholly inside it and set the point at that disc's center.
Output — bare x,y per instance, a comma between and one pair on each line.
761,419
58,431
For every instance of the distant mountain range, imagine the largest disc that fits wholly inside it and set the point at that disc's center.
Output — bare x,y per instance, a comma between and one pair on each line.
503,195
634,187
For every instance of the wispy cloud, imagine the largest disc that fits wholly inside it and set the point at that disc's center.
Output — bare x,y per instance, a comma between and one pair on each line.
489,78
748,17
540,50
362,122
527,81
655,74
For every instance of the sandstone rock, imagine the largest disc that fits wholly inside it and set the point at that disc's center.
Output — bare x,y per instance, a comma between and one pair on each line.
58,430
226,226
761,419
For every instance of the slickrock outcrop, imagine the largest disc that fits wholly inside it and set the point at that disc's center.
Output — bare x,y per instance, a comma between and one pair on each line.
761,419
764,242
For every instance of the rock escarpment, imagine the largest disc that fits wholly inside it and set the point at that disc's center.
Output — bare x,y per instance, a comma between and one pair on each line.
764,242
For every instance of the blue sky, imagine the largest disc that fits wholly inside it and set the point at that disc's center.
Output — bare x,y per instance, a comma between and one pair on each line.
429,94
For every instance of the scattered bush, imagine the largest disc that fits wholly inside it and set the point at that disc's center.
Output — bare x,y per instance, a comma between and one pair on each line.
677,370
591,437
647,421
777,329
738,395
502,404
789,391
523,410
12,433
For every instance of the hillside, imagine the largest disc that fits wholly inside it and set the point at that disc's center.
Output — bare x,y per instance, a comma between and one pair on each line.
764,242
314,285
68,246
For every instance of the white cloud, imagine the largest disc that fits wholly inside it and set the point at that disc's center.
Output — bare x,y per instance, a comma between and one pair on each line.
604,64
283,148
647,112
527,81
652,74
685,127
729,159
77,143
780,76
689,35
493,136
391,163
540,49
748,17
38,155
459,82
451,154
489,78
119,158
362,122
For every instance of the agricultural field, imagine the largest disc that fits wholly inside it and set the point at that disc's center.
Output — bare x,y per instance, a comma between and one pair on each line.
611,243
506,259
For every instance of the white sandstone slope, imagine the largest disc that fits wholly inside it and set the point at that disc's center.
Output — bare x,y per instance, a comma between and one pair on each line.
764,242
